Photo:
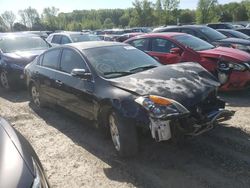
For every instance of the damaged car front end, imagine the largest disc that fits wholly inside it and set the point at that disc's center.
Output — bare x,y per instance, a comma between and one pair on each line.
168,116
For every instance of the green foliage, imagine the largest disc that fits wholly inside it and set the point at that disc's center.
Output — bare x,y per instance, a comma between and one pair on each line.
8,18
205,12
143,13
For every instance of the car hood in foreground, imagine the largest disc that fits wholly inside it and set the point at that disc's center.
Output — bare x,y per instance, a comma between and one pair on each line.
187,83
226,53
13,168
22,57
235,41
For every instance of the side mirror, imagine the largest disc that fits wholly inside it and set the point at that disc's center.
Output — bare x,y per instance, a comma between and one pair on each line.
176,51
81,73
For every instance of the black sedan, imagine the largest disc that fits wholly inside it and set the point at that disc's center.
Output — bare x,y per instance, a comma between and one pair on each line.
20,166
233,33
122,88
16,51
210,35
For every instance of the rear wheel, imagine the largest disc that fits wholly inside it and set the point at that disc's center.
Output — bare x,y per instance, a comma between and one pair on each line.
4,80
123,134
36,97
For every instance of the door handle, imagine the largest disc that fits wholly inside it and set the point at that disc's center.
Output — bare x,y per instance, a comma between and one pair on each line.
59,82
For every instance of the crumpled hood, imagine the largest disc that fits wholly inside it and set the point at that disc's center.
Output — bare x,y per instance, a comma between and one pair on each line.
22,57
226,53
187,83
235,41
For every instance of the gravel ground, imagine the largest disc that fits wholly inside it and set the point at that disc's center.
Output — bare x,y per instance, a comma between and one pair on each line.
75,154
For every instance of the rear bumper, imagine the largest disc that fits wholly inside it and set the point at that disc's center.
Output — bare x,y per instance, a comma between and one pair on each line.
237,81
161,129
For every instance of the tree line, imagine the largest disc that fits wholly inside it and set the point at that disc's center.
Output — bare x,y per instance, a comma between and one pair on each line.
143,13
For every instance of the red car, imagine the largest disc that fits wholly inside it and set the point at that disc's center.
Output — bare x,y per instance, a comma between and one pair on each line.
230,66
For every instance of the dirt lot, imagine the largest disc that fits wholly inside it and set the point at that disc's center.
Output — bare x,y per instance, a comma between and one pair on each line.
74,154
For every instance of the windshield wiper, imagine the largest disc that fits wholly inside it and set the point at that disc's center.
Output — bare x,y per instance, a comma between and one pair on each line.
142,68
119,73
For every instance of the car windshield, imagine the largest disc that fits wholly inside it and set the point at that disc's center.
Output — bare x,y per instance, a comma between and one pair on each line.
193,42
117,61
84,37
12,44
212,34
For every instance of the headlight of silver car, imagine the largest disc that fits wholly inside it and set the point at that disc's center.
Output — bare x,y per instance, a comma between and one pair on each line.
160,107
40,180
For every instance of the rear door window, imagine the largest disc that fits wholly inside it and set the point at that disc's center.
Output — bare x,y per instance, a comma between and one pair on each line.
56,39
51,58
71,60
65,40
162,45
142,44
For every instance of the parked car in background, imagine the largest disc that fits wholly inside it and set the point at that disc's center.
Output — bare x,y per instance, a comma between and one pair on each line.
16,51
210,35
221,26
230,66
238,26
42,34
106,37
20,166
71,37
127,36
122,88
233,33
245,31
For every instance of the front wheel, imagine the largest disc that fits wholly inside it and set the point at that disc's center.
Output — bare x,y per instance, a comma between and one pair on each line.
4,80
123,134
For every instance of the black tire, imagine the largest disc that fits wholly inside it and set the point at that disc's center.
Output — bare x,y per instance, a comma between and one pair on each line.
5,83
127,135
178,138
35,96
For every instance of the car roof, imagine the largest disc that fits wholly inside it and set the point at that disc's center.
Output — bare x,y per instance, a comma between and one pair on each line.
163,34
68,33
17,34
94,44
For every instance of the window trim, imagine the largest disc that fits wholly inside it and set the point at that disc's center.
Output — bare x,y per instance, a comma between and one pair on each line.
59,58
76,51
178,46
143,38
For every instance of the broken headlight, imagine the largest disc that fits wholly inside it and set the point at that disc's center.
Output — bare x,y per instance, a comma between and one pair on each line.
160,107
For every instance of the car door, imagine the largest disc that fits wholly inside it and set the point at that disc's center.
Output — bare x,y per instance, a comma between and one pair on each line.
75,94
161,49
45,74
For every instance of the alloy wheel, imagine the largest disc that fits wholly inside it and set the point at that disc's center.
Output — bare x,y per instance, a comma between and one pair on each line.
4,80
35,96
114,132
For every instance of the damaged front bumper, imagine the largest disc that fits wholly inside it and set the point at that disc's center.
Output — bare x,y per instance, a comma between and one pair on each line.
187,125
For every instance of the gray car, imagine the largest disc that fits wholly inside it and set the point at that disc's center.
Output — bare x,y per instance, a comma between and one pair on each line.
66,37
19,164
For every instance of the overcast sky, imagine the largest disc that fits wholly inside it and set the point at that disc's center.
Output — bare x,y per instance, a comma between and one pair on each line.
69,5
